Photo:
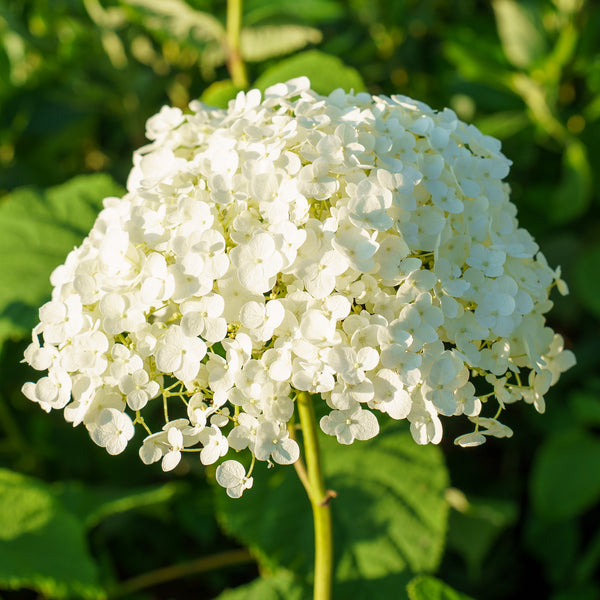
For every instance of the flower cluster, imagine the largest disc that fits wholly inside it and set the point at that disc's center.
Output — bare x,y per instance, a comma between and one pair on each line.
360,248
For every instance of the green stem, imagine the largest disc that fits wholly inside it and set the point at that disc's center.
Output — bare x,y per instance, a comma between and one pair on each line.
319,499
235,64
192,567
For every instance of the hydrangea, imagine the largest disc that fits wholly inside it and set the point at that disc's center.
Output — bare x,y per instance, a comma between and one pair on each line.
362,248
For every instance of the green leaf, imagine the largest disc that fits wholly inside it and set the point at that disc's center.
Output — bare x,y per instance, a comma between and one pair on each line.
520,31
583,591
37,231
566,479
389,516
425,587
475,526
503,124
556,545
281,586
586,405
219,93
307,11
42,546
180,19
476,59
5,84
91,505
573,195
325,72
587,278
268,41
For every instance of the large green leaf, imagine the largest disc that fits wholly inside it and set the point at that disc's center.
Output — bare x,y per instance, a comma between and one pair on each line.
42,546
555,544
585,404
389,516
326,73
587,278
91,504
281,586
566,479
475,526
37,230
425,587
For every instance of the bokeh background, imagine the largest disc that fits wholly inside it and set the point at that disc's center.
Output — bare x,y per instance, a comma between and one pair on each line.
79,78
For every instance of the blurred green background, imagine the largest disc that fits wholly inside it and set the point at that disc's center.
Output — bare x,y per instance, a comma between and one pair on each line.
78,79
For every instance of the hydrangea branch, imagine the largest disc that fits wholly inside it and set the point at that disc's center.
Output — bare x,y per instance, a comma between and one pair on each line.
319,499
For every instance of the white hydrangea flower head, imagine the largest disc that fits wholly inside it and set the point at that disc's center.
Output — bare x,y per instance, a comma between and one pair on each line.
359,247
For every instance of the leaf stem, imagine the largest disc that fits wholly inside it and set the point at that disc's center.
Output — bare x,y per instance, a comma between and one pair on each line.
319,499
299,464
170,573
235,64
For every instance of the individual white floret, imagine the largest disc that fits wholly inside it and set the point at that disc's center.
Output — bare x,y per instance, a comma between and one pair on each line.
348,425
232,476
61,320
113,430
351,365
390,395
257,263
214,444
138,388
203,318
470,440
52,391
175,446
273,442
261,319
492,427
179,354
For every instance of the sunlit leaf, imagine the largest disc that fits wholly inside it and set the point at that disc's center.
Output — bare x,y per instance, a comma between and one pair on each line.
220,93
307,11
261,43
181,19
566,479
37,231
281,586
325,72
520,31
389,516
42,546
573,196
425,587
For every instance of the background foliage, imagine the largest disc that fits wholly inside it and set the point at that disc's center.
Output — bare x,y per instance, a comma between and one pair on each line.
514,518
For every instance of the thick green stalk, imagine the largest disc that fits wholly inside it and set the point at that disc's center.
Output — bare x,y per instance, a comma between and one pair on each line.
319,499
235,64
